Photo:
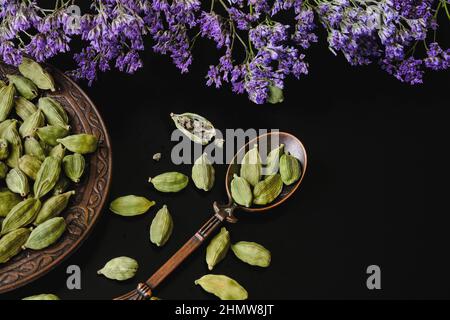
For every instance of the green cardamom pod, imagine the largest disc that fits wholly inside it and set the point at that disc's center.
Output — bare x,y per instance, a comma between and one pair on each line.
169,182
80,143
33,148
217,248
131,206
194,126
62,185
31,124
15,144
24,108
161,227
33,71
121,268
46,234
74,166
275,95
11,244
4,125
223,287
241,191
58,151
53,207
21,215
17,182
8,200
51,134
203,173
3,170
4,150
252,253
24,86
267,190
273,160
6,101
54,112
30,166
251,166
47,176
44,296
289,169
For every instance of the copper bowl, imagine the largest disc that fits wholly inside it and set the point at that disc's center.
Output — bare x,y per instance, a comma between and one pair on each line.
91,193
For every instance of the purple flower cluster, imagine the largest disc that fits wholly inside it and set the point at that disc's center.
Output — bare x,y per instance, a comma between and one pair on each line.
258,51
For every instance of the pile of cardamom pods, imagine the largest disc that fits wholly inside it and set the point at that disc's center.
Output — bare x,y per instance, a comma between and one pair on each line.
39,160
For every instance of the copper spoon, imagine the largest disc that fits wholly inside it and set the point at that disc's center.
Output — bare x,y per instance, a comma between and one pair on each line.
223,212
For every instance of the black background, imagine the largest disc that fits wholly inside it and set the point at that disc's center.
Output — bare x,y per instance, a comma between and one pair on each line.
375,191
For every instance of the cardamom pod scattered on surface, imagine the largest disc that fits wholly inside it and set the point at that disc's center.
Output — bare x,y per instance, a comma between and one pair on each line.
80,143
6,101
40,77
267,190
31,124
241,191
8,200
24,108
62,185
47,176
54,112
218,248
203,173
3,170
121,268
58,151
4,150
21,215
161,227
52,134
195,127
46,234
252,253
53,207
169,182
273,160
11,244
131,205
290,170
223,287
74,165
32,147
17,182
43,296
251,166
11,135
30,166
24,86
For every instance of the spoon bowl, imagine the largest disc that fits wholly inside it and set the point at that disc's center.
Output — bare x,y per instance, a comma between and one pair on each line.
269,141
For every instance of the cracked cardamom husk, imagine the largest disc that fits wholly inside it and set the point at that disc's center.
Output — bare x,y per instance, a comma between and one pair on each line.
120,268
161,227
195,127
203,173
218,248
